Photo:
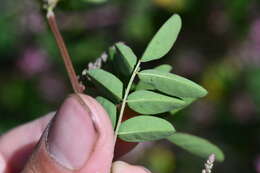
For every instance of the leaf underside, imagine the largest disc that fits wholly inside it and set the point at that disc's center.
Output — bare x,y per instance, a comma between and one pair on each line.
172,84
110,109
145,128
108,84
163,40
148,102
196,145
125,59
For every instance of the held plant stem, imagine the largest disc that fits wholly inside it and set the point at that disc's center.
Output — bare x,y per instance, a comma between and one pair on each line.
64,52
125,98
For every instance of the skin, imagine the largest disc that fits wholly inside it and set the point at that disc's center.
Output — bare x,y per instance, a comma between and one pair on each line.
76,139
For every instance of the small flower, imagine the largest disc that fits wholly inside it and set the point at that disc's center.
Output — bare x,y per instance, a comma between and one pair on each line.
33,61
209,164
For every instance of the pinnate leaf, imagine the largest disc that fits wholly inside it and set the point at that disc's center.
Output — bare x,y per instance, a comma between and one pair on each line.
107,83
163,40
148,102
145,128
196,145
110,109
172,84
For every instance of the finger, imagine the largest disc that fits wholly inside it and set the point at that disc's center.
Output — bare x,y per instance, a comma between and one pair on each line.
79,139
17,144
122,167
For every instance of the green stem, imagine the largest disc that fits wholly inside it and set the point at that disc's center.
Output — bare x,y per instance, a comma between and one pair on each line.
129,85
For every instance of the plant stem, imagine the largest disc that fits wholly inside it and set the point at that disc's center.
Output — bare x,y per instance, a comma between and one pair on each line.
64,53
129,85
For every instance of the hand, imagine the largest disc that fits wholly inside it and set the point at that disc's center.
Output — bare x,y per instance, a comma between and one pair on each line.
79,138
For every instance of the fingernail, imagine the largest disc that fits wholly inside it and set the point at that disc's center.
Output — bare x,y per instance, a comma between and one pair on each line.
72,135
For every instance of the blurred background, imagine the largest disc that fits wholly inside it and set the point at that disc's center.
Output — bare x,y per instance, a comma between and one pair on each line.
218,47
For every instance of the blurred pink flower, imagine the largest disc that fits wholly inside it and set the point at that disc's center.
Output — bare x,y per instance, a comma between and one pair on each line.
32,62
189,63
255,31
247,52
35,22
203,112
31,20
242,107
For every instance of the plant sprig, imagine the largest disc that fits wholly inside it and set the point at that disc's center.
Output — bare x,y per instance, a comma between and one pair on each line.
157,91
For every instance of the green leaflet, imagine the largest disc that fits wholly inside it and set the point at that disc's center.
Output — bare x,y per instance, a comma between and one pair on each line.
110,108
107,83
147,102
145,128
172,84
125,60
163,40
111,53
145,86
164,68
196,145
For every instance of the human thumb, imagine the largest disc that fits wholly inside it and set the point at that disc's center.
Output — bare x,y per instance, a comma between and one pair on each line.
79,139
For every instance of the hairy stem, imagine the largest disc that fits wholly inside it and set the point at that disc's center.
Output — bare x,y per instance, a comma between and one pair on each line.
64,53
129,85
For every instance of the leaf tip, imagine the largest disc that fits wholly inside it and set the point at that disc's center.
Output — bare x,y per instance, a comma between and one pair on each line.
220,157
178,17
204,92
